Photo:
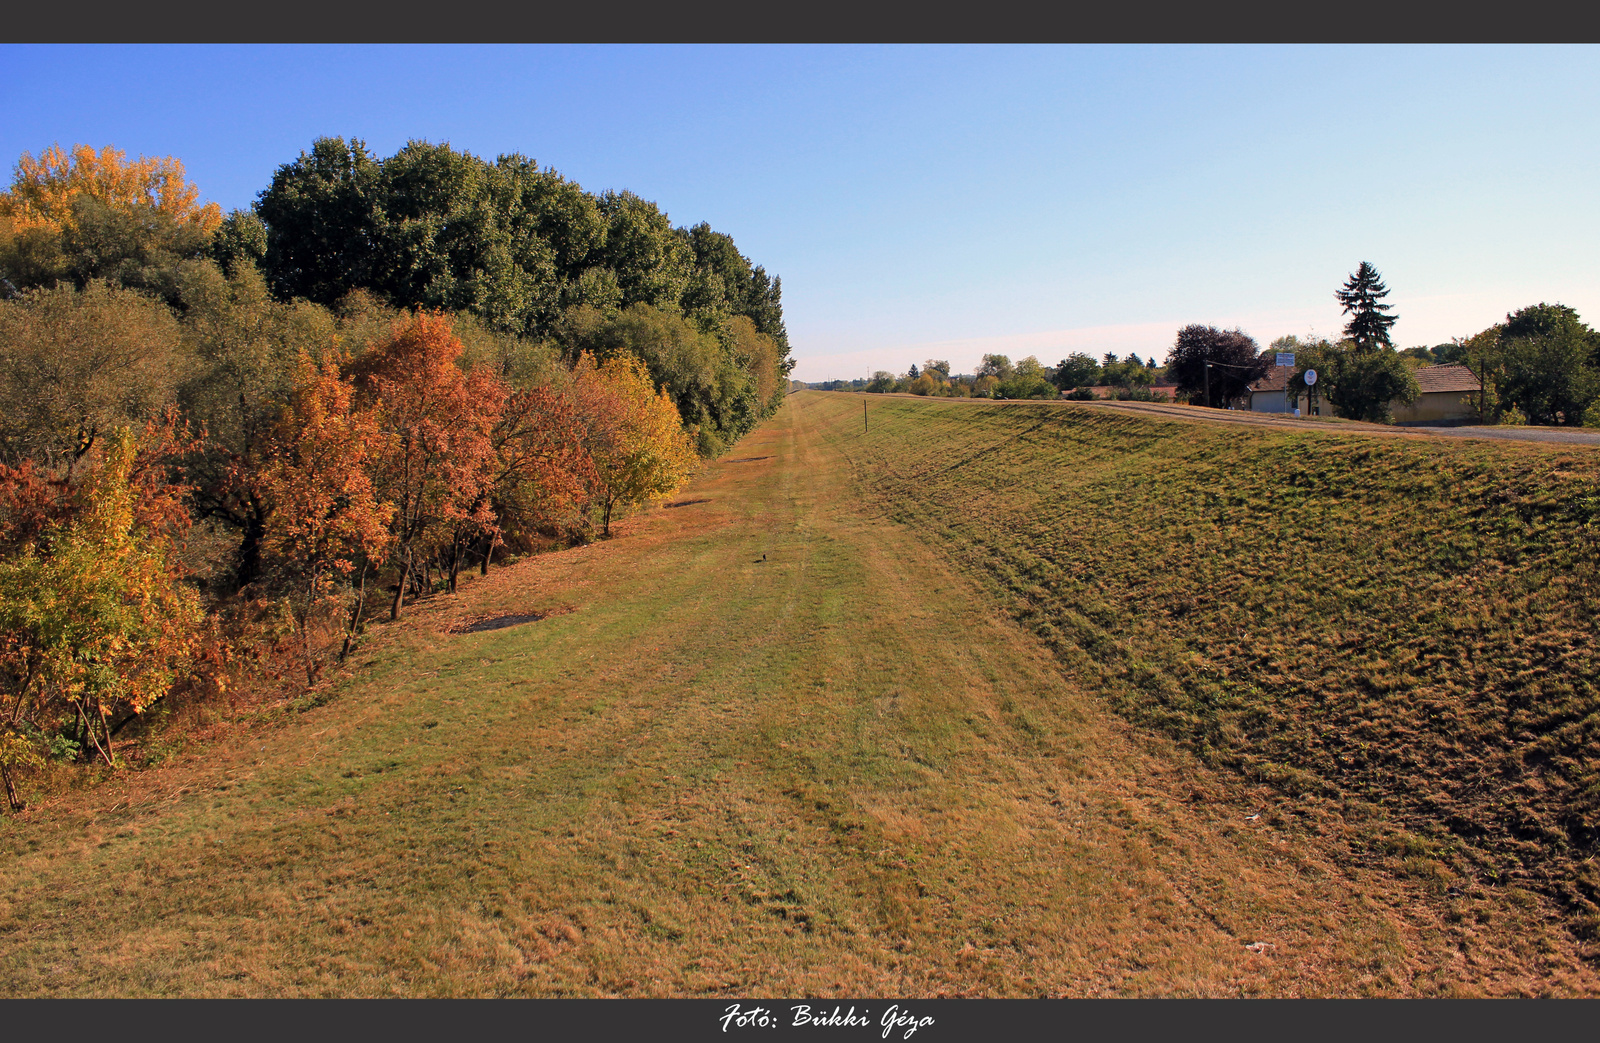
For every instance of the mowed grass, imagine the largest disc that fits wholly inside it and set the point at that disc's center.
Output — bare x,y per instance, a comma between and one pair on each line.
764,743
1397,633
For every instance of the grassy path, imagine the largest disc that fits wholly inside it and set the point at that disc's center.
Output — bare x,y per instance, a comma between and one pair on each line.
768,743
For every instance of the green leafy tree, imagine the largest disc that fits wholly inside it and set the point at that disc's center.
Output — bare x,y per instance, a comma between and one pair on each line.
1225,362
1361,385
74,364
1027,380
997,366
1077,370
1546,364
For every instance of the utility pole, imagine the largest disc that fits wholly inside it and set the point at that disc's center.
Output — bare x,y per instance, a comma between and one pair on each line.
1208,383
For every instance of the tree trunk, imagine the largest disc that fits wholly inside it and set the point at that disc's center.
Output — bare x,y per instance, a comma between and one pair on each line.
305,629
400,588
249,567
11,790
355,613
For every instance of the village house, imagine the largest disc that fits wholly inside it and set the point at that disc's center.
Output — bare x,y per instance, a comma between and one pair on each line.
1448,396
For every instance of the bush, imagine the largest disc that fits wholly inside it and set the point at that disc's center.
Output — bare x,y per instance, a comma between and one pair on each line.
1081,394
1591,416
1514,417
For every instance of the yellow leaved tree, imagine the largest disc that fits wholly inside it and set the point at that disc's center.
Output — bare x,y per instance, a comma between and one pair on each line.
43,189
634,434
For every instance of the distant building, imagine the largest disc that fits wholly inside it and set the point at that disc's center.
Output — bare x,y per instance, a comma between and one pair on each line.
1270,394
1447,397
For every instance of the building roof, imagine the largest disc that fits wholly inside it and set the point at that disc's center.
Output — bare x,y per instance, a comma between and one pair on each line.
1277,379
1454,377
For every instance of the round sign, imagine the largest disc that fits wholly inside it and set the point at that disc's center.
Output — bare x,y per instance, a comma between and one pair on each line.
1311,377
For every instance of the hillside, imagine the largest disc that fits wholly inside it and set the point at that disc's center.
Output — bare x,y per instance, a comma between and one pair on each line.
763,744
1397,635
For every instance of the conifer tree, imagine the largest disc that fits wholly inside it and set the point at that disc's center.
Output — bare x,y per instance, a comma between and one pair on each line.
1363,294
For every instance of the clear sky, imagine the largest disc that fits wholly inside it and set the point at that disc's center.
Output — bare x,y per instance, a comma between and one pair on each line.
949,201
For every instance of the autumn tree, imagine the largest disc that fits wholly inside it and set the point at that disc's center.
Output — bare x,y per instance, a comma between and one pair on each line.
437,464
244,347
545,472
94,616
326,522
634,435
43,190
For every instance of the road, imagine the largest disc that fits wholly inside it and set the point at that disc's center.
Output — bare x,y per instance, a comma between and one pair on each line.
1573,436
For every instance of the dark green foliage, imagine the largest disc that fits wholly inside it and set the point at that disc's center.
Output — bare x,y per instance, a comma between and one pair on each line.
322,217
242,239
1362,385
515,245
141,249
1362,298
1077,370
1235,360
1548,364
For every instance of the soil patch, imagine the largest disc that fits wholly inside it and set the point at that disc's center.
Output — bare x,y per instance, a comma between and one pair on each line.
498,622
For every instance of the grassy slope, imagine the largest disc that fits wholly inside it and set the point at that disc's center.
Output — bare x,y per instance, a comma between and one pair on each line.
838,771
1398,633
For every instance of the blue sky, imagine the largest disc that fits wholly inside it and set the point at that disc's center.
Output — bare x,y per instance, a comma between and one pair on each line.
947,201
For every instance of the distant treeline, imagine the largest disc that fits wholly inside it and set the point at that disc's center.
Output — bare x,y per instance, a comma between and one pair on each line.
217,433
998,377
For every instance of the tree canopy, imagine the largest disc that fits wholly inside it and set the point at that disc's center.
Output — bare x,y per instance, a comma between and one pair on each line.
1235,362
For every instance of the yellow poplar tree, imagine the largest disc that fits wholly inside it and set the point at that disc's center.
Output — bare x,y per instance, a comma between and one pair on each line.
43,189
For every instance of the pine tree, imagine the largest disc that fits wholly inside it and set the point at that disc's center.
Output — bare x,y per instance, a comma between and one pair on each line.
1362,294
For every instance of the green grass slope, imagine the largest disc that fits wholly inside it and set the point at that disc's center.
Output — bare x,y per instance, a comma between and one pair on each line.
1397,633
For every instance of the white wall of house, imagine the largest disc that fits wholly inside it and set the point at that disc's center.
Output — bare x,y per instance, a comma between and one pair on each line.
1270,402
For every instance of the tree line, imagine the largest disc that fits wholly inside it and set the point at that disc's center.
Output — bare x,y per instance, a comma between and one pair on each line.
220,436
999,378
1540,366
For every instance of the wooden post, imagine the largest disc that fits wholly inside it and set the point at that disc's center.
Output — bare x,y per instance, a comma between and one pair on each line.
863,416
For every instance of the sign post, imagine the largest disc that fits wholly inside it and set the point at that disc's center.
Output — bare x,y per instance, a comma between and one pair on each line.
1311,390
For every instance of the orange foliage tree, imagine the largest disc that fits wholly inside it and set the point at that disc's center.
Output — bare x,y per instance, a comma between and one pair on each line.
94,616
632,431
43,189
437,462
325,514
545,467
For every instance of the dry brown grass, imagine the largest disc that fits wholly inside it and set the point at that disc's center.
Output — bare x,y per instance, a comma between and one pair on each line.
839,771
